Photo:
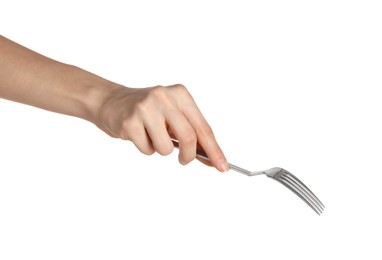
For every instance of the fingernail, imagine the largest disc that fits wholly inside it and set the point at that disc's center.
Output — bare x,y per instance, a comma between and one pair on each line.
223,165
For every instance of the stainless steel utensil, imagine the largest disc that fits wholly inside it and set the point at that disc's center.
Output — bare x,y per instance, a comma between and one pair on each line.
282,176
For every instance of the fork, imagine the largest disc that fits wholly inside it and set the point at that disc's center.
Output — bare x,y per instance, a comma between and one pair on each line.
282,176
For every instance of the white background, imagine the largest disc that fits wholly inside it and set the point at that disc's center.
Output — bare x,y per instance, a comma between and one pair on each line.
294,84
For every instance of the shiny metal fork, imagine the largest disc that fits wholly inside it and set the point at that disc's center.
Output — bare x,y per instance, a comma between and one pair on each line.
281,175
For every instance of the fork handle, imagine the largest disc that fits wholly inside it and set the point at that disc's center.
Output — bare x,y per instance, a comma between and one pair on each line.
203,155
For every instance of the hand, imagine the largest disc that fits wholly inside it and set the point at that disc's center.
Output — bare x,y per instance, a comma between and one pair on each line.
150,117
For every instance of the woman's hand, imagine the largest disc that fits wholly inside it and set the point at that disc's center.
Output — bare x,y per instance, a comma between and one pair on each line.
151,117
148,117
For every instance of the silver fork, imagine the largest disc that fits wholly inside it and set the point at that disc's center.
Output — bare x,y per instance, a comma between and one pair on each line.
281,175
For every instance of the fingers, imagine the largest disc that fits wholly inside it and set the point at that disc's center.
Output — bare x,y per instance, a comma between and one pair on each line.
140,138
162,123
153,115
204,134
209,144
156,129
186,136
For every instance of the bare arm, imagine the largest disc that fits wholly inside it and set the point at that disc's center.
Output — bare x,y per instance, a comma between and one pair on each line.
149,117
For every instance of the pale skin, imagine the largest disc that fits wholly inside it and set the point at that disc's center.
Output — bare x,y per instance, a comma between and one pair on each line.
149,117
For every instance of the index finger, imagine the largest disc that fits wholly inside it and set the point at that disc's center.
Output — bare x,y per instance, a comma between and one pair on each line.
208,144
205,135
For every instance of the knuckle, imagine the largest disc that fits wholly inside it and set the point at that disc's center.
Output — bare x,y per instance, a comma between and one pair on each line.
181,89
184,161
188,138
129,128
153,97
158,88
164,149
158,96
147,150
157,91
141,108
205,131
129,125
187,155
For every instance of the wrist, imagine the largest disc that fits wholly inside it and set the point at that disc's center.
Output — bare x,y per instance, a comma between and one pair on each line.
99,93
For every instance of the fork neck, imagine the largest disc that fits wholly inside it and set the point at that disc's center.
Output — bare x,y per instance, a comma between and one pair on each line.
239,169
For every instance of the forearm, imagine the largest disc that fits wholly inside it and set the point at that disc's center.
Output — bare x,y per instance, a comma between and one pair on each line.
30,78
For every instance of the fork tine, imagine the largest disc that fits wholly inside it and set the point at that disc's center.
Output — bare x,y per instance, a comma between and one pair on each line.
303,192
300,194
313,198
295,180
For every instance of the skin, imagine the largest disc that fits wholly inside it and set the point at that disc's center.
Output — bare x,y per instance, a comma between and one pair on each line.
148,117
